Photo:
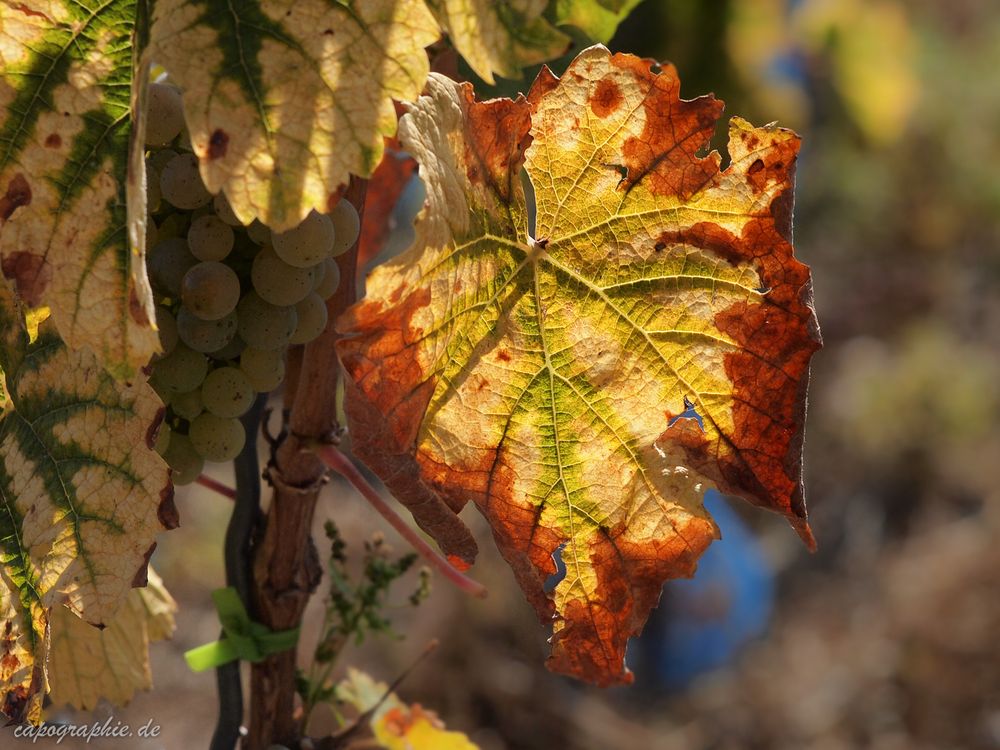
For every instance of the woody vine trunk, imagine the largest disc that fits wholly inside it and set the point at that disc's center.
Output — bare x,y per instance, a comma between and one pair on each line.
287,568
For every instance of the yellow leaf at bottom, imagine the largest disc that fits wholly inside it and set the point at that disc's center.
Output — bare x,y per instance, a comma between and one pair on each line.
87,664
396,725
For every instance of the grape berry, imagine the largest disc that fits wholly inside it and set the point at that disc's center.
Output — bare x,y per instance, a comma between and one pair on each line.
231,298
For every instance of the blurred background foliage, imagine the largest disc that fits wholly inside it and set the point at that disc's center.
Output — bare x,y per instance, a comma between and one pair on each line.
888,637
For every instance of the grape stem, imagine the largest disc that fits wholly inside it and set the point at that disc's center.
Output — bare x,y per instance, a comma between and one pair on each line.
239,533
213,484
341,464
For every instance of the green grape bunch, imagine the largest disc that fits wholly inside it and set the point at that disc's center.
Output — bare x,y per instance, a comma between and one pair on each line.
231,298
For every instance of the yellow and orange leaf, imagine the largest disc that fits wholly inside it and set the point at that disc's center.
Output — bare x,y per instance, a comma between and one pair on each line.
397,726
543,371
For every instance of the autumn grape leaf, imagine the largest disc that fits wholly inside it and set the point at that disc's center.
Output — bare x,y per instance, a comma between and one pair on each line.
82,496
87,664
65,80
396,725
285,99
559,376
598,19
500,38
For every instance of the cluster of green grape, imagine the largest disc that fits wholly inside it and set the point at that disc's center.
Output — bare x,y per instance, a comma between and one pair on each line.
230,298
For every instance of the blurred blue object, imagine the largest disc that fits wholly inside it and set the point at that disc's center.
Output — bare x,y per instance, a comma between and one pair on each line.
703,622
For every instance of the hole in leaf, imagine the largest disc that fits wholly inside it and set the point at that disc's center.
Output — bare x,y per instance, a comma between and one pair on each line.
689,413
622,171
556,578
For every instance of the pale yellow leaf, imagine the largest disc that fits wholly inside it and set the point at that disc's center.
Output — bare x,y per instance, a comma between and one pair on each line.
65,104
285,99
87,664
82,495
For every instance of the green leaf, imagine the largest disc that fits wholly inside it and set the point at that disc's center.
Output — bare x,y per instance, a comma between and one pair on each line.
285,99
65,103
598,19
500,38
82,496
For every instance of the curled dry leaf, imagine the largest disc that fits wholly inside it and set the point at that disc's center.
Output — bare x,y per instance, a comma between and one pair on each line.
542,372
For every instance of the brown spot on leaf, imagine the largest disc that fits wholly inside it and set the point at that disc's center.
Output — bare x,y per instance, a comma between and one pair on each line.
15,702
31,12
135,307
524,542
166,511
496,136
774,165
30,273
154,428
9,663
218,144
544,83
141,577
664,154
706,236
770,372
607,98
397,293
53,140
18,194
503,355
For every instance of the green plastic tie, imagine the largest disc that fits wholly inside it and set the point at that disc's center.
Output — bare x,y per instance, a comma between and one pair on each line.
245,640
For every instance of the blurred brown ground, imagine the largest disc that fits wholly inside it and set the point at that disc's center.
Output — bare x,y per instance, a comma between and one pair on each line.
888,637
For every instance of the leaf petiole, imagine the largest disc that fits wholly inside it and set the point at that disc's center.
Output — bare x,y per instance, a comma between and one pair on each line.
337,461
